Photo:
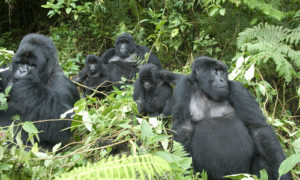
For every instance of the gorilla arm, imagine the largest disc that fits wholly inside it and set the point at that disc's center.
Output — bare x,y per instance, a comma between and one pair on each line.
182,122
170,77
138,95
107,55
264,137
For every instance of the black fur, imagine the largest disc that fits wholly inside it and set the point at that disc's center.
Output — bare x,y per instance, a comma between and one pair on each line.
94,75
126,63
170,77
40,90
155,99
221,125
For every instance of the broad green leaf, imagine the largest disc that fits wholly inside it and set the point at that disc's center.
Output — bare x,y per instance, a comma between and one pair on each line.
262,89
240,176
29,127
174,32
56,147
5,166
75,16
222,12
288,164
68,10
214,11
263,175
146,130
7,90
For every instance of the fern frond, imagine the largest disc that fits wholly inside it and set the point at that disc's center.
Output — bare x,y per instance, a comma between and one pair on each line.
283,67
271,42
131,167
268,33
265,8
294,36
178,150
295,57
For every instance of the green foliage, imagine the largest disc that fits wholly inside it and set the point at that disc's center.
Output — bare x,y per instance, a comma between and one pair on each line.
131,167
272,43
288,164
3,98
5,56
271,10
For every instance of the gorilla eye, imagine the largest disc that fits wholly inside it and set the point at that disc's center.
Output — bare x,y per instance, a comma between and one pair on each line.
214,71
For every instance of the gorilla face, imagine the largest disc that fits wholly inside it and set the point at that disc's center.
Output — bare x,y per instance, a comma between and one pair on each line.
211,76
28,64
35,59
124,45
149,74
93,63
147,84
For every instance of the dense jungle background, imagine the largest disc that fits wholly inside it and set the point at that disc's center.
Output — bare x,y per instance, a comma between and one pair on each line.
259,40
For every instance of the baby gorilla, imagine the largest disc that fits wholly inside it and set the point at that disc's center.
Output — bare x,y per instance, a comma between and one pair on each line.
152,95
221,125
95,76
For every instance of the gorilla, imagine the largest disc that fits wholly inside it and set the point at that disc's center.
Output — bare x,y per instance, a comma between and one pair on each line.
95,76
152,95
221,125
124,59
40,91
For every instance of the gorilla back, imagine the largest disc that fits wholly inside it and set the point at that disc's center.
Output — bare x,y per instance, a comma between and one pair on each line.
40,91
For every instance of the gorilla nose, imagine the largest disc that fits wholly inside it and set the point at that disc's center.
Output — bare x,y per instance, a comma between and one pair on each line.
122,49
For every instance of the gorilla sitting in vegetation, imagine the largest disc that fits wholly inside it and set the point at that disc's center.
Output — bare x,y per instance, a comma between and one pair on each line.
40,91
220,124
95,76
124,59
152,95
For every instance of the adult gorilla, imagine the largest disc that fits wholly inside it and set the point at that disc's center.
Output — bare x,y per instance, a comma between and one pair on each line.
40,91
220,124
152,95
124,59
94,75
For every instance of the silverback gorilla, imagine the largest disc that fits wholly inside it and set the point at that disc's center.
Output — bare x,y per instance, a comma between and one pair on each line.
124,59
40,90
220,124
152,95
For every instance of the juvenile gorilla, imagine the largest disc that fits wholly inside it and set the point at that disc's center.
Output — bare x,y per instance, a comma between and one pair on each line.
94,75
124,59
152,95
40,91
220,124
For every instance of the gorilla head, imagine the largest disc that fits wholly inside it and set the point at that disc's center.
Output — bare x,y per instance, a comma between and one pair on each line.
93,64
149,75
35,59
124,45
211,76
